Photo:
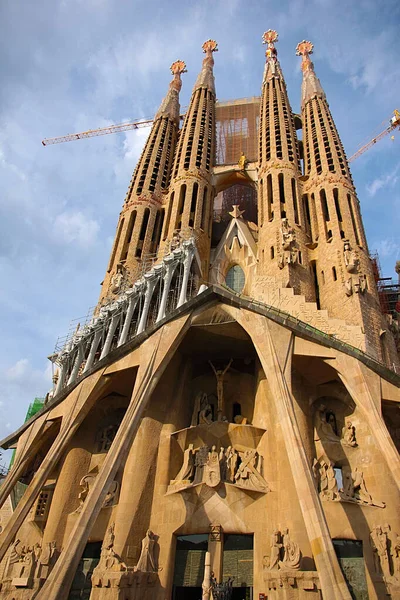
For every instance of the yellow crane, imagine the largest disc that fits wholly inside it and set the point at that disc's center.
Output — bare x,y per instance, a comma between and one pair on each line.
393,124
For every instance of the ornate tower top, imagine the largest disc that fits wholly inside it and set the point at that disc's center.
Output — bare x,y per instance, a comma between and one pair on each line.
271,66
170,105
206,76
311,85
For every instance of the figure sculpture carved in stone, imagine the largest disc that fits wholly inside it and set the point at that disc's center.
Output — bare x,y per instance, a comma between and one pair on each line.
200,402
285,554
87,482
109,560
212,474
393,542
328,488
117,279
379,546
220,374
210,466
323,429
146,560
349,435
350,258
288,239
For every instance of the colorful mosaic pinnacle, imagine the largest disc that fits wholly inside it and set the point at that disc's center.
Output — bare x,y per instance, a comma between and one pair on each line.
210,46
178,67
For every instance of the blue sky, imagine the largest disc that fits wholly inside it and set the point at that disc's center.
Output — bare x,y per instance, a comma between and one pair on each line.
70,65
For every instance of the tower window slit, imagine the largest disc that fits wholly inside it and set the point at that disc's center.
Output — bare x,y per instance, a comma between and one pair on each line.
193,204
324,205
142,234
353,219
272,252
295,207
270,198
204,209
337,205
182,195
116,243
261,202
171,202
128,236
334,275
306,210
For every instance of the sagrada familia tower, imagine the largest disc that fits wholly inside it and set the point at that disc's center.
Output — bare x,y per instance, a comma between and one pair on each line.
226,425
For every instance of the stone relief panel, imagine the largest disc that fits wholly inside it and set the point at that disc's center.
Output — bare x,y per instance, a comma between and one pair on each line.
385,544
86,483
112,571
29,566
352,489
285,554
233,458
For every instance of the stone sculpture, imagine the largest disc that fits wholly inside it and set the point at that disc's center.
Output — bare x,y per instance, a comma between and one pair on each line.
86,484
350,258
323,428
212,474
203,465
289,253
324,471
146,560
220,374
109,560
349,435
221,591
285,554
200,402
385,545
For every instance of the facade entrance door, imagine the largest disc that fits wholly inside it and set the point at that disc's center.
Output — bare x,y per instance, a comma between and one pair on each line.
189,566
82,583
351,560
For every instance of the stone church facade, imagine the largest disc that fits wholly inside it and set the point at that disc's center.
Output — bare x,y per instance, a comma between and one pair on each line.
226,425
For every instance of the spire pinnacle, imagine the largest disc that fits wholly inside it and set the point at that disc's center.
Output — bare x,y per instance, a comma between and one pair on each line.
311,85
206,76
170,105
271,54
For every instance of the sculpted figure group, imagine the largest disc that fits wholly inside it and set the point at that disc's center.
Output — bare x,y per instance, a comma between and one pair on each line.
29,563
285,554
207,465
289,253
326,429
385,544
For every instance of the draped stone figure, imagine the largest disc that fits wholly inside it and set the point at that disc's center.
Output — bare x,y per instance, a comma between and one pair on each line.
186,473
291,553
212,474
323,430
349,435
146,561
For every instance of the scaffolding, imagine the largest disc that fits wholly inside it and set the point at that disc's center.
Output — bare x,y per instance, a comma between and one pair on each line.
388,289
237,124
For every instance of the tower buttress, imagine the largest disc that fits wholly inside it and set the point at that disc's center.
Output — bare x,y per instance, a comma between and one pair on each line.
190,200
283,232
142,216
343,274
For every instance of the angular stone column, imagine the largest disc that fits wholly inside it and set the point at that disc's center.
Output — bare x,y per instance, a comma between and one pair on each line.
365,389
187,263
77,363
86,395
151,280
93,349
156,354
110,335
170,265
268,337
133,300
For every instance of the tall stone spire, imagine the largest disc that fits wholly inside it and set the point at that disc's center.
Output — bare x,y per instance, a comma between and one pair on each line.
311,86
191,192
142,216
279,203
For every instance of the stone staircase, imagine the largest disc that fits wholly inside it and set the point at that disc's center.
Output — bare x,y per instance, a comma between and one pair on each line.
266,289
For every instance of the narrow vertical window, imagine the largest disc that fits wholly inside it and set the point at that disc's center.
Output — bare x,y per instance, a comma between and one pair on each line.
128,236
295,207
353,219
270,198
182,195
204,209
307,216
272,252
261,202
112,258
142,233
282,195
334,275
171,202
193,204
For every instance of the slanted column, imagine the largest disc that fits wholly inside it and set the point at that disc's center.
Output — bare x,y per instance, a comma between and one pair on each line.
61,376
77,363
151,280
110,335
170,266
93,349
278,372
133,300
187,263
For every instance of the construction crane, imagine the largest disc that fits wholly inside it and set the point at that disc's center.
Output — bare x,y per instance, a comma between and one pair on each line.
394,122
102,131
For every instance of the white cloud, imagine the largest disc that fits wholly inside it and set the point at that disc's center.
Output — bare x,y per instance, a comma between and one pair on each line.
388,180
389,247
76,227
